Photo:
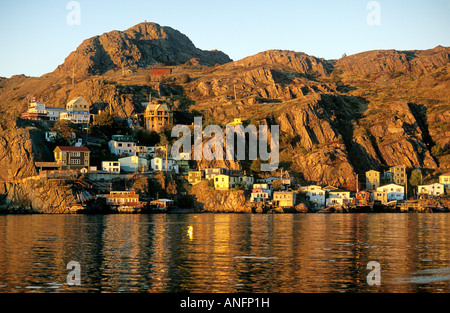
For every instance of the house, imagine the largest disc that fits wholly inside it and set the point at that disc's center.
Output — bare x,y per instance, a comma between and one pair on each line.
265,187
210,173
120,144
40,111
372,180
444,179
111,167
72,158
338,197
436,189
268,180
157,116
163,203
315,194
398,174
53,114
379,196
394,192
247,180
77,111
133,163
225,182
183,162
195,177
123,201
362,198
164,165
261,192
158,72
50,136
284,198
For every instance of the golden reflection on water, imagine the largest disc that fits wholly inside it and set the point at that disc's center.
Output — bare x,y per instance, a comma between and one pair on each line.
225,252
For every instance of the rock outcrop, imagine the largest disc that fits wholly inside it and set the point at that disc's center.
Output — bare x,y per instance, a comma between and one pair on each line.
139,46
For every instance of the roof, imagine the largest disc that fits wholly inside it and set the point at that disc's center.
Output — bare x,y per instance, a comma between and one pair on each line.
78,100
445,174
75,149
339,190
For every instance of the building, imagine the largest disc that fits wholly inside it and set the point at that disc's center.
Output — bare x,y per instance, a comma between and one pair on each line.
265,187
284,198
158,72
164,165
111,167
120,144
436,189
362,198
247,180
50,136
195,177
338,197
133,163
157,116
399,174
163,203
40,111
225,182
379,196
72,158
77,111
444,179
260,195
393,192
210,173
315,194
372,180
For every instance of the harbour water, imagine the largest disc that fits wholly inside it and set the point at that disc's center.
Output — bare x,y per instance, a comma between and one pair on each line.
167,253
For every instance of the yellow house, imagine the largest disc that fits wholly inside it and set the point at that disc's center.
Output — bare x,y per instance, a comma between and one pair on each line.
157,116
444,179
284,198
372,180
225,182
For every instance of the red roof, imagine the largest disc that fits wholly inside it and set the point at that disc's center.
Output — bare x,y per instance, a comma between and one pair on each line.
75,149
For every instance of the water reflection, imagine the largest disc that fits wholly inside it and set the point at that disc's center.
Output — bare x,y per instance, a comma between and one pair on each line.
225,252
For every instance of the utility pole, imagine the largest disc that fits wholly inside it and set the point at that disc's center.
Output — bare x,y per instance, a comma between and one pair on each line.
357,183
167,148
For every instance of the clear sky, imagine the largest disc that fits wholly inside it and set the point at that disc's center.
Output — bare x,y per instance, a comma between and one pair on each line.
36,37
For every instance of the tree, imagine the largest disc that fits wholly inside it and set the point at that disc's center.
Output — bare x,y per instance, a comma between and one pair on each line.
65,129
416,178
277,185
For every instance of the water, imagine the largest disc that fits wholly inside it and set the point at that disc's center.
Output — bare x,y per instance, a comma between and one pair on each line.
225,253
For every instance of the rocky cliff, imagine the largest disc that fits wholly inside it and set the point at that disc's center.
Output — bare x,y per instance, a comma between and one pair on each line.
138,47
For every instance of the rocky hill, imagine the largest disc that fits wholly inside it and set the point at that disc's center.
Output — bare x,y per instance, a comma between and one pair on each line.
338,118
137,47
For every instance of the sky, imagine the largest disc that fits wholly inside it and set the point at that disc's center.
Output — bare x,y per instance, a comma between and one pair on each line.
37,35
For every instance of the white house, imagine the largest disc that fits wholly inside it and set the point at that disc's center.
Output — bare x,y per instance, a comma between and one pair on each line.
133,163
265,187
431,190
111,167
394,192
315,194
77,111
338,197
259,195
122,144
159,164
